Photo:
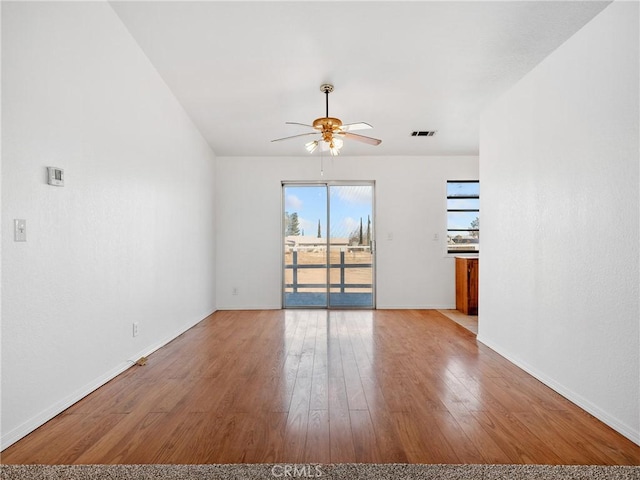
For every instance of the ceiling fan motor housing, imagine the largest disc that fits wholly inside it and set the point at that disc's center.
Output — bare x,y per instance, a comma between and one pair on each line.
327,125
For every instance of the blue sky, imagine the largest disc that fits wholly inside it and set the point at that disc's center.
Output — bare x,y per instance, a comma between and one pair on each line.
462,219
348,205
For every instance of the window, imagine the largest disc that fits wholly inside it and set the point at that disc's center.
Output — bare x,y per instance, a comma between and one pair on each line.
463,216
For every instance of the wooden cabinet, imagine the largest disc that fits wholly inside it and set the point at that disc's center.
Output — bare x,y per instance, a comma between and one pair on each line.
467,285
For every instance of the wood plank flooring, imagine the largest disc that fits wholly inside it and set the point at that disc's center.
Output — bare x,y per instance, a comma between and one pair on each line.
306,386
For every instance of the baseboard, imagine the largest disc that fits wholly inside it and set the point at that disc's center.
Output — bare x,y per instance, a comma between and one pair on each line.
415,307
570,395
43,417
249,307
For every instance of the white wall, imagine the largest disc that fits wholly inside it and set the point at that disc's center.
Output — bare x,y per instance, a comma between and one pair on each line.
130,237
559,172
413,271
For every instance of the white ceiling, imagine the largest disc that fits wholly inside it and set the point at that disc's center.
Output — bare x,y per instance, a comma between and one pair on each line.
242,69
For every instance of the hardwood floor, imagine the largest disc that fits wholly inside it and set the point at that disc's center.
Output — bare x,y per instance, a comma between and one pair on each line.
306,386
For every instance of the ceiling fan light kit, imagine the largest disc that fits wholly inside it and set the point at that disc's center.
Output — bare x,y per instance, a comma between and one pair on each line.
311,146
331,129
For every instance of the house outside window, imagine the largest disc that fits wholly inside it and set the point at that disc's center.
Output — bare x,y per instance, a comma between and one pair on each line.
463,216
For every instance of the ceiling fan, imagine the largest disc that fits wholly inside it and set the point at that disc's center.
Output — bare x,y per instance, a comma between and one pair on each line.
331,130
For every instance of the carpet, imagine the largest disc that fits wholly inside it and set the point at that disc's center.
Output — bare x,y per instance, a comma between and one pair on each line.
319,471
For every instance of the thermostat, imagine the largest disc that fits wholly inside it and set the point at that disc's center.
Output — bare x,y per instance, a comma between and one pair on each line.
56,176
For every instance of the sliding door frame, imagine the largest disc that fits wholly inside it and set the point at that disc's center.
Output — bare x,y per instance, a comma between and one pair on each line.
327,184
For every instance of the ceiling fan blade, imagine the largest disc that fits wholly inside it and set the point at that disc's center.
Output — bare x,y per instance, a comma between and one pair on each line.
295,136
355,126
298,123
361,138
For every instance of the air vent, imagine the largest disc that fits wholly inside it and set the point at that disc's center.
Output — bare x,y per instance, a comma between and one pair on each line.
423,133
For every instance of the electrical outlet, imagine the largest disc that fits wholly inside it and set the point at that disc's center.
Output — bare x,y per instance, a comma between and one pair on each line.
136,329
234,291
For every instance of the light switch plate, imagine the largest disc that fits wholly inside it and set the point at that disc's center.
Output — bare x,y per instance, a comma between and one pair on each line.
20,230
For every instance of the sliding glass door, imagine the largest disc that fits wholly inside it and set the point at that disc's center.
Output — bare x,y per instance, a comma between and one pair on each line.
328,237
350,246
305,246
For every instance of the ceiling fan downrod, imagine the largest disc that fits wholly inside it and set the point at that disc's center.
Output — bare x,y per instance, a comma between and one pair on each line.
327,88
